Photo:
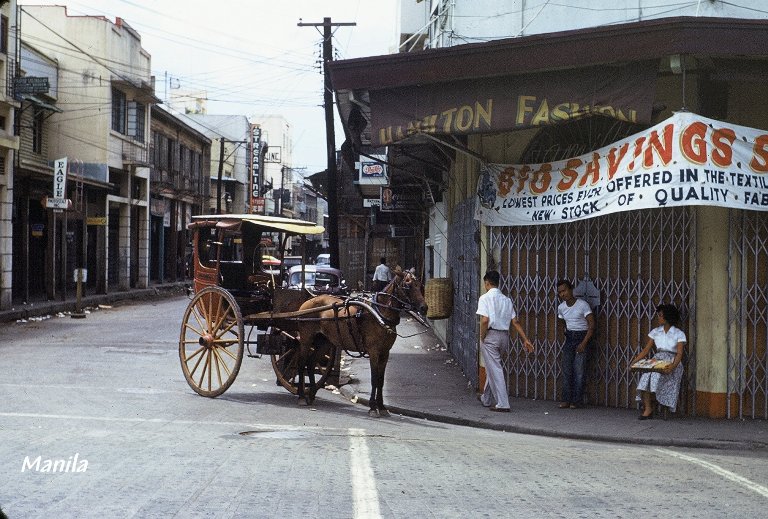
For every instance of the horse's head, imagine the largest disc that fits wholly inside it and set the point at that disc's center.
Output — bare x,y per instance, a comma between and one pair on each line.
405,291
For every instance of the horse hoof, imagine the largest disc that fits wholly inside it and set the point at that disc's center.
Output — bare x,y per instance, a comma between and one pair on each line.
374,413
384,413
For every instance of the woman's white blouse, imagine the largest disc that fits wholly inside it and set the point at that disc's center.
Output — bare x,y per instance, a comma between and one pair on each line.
667,341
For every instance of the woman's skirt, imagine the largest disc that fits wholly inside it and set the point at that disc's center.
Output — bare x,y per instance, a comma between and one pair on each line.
666,387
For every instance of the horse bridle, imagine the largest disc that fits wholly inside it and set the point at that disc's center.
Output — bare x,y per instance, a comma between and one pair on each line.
402,299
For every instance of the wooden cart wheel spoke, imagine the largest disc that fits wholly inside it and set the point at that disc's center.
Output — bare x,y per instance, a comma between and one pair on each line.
200,318
210,369
216,359
194,353
207,357
222,362
201,314
220,318
199,360
212,324
220,349
220,333
197,331
225,343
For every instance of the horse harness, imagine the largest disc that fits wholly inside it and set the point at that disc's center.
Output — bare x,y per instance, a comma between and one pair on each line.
388,324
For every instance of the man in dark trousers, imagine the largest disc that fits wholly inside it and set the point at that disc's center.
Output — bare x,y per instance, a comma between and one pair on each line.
576,315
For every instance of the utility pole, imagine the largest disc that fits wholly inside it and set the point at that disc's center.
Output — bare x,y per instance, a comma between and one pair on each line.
221,173
333,198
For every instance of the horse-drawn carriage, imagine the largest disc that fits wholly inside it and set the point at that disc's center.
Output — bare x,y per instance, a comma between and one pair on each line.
239,308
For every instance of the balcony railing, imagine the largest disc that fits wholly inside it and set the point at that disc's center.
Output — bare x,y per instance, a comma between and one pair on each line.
134,154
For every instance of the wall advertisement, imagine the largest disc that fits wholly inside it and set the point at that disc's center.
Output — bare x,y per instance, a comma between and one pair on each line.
684,160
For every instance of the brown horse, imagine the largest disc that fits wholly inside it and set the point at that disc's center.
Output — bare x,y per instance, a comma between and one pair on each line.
353,326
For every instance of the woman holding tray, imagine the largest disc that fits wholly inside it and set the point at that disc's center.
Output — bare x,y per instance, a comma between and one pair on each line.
669,341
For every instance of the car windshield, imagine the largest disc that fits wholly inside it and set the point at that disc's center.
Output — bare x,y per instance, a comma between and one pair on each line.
324,278
309,278
319,279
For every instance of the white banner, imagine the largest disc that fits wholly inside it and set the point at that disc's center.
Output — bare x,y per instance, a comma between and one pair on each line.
684,160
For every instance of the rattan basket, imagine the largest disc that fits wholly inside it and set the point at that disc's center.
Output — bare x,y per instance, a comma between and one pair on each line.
438,293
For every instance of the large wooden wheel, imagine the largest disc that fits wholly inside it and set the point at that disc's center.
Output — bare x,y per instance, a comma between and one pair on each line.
285,368
211,342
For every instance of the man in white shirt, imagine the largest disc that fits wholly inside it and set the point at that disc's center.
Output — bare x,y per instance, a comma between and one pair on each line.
576,315
496,314
381,276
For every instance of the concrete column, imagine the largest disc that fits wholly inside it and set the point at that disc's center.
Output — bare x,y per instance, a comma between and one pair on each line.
143,228
124,248
6,243
711,277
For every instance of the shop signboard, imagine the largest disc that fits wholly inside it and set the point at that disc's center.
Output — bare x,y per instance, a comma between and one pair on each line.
401,199
373,170
682,161
31,85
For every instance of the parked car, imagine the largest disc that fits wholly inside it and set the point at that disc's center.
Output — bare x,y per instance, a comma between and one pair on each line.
319,279
323,259
291,261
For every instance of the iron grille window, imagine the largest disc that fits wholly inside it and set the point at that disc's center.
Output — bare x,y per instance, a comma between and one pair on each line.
37,130
135,120
118,111
4,34
154,150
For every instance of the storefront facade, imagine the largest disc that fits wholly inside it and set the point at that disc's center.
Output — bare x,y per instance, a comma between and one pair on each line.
707,260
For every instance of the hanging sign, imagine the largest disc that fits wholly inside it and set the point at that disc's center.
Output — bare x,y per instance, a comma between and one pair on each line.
373,170
255,145
684,160
59,184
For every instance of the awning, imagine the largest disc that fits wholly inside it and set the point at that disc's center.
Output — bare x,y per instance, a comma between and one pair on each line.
41,104
266,223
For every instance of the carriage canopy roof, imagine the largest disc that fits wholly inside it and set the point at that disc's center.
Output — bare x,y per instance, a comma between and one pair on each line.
234,222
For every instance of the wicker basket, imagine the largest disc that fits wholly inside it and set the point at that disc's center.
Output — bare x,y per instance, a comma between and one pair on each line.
438,293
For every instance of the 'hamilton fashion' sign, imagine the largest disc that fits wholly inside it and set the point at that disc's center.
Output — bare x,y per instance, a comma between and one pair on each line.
513,102
684,160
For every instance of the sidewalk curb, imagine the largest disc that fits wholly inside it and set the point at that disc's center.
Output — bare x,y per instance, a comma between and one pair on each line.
41,308
349,393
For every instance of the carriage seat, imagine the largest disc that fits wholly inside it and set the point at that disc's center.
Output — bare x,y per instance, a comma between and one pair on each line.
232,274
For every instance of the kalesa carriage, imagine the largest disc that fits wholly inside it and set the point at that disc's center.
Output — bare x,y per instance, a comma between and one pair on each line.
239,308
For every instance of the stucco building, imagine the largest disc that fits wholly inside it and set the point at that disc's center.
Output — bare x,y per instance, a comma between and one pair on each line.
180,158
104,90
9,143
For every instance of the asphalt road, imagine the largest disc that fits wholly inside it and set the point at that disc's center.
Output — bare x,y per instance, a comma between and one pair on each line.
97,421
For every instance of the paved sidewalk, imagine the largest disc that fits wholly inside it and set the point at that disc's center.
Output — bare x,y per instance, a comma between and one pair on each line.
423,381
41,309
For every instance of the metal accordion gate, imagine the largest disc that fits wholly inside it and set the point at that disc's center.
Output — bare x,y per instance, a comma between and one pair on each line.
464,264
636,260
747,391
